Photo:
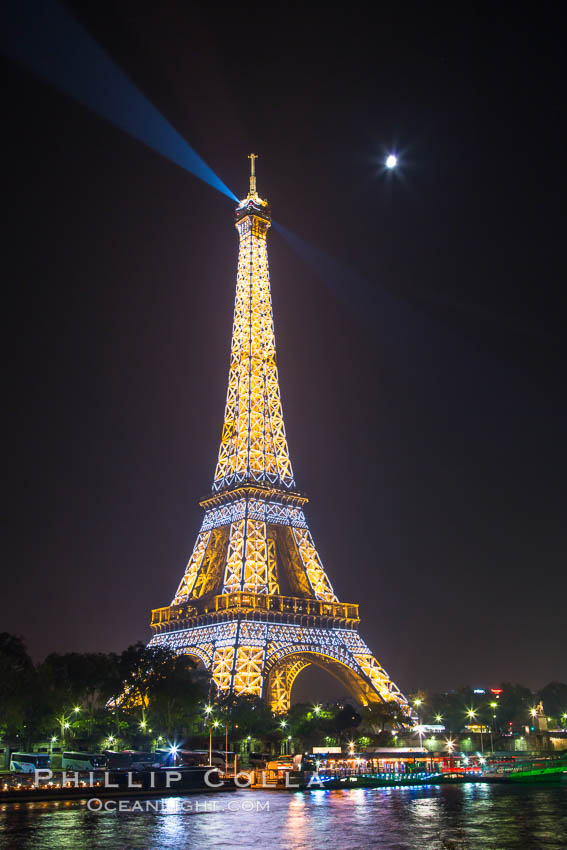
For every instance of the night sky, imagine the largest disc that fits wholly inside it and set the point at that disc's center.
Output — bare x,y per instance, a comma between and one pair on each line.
419,330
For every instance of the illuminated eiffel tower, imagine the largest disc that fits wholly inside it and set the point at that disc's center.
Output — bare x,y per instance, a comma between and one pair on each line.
255,605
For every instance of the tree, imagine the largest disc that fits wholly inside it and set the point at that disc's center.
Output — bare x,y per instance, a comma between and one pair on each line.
452,707
554,699
23,708
175,693
17,672
345,719
307,725
156,682
245,714
377,716
139,667
77,685
514,705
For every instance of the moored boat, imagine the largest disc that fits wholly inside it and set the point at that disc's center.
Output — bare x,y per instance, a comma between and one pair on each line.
118,783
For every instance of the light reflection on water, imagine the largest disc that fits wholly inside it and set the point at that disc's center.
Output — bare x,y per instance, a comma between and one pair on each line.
487,817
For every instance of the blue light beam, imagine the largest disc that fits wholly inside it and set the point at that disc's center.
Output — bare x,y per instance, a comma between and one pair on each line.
396,321
423,342
48,41
393,321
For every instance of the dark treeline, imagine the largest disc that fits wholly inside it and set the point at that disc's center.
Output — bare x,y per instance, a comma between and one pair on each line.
146,697
510,710
93,696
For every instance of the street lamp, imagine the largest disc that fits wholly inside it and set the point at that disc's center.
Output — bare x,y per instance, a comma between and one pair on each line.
493,706
63,721
471,714
417,702
215,724
419,728
283,749
438,718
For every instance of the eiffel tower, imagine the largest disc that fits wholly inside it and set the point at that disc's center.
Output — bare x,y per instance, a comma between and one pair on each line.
255,605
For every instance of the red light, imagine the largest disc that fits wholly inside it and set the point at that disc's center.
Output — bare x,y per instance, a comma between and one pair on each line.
496,691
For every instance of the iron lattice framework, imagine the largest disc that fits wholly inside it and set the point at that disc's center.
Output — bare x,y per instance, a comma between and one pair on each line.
255,604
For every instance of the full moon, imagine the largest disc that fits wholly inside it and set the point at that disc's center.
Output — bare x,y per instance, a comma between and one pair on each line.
391,161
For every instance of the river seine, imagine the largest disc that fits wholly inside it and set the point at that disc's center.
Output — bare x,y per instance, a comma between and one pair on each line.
475,817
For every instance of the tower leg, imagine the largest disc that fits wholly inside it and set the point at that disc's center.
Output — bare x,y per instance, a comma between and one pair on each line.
280,682
264,659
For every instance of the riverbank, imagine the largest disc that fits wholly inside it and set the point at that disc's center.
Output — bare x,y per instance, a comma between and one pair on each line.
110,784
481,815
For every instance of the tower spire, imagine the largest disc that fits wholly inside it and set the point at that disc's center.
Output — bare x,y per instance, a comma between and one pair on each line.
253,444
252,157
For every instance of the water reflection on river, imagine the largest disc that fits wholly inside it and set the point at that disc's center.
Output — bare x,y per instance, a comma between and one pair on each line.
483,817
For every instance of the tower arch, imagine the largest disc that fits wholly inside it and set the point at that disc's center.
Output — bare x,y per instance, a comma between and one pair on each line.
281,675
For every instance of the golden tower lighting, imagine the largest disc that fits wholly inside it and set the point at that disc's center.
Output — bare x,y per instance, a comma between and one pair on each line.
255,605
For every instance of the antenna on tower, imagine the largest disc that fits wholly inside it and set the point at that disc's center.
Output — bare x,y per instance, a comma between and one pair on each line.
252,157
